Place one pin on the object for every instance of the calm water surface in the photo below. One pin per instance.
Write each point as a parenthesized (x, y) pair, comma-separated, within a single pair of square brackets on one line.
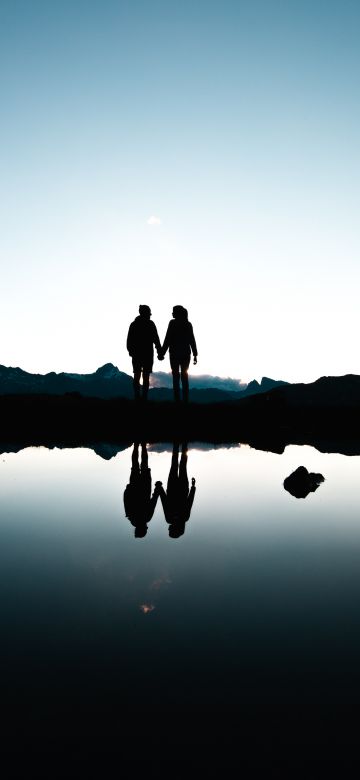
[(246, 614)]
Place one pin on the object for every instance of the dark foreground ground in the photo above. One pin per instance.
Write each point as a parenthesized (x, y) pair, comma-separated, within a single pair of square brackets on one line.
[(267, 421)]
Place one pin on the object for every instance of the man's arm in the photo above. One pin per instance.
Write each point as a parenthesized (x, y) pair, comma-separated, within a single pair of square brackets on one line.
[(166, 343), (130, 340), (127, 500), (156, 340)]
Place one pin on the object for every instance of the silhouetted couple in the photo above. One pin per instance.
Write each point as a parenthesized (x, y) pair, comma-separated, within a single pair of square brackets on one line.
[(179, 340), (177, 501)]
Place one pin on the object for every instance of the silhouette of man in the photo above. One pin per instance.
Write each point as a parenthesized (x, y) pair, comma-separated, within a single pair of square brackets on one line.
[(138, 502), (181, 342), (178, 500), (142, 336)]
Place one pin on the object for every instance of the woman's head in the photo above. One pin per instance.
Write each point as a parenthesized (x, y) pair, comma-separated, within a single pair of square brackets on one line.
[(179, 313)]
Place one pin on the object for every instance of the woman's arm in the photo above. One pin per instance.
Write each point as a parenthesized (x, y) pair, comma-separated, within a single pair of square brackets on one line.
[(193, 343)]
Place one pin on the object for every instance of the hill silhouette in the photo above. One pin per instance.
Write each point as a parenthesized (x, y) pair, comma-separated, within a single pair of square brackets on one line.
[(108, 382)]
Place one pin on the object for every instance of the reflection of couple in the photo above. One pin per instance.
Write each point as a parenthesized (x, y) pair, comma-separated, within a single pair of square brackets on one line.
[(179, 340), (177, 501)]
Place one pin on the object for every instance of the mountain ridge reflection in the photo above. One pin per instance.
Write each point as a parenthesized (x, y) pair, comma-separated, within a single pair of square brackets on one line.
[(266, 443)]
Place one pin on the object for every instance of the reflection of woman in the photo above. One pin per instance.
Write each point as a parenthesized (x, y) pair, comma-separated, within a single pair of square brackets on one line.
[(178, 500), (138, 502), (180, 341)]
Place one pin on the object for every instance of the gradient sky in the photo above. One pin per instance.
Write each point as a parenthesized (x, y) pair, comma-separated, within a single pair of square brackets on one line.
[(235, 126)]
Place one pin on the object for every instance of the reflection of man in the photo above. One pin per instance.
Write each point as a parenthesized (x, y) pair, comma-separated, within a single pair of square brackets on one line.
[(140, 342), (178, 500), (138, 502)]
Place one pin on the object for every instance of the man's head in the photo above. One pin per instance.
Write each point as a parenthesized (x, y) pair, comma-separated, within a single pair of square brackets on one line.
[(145, 311)]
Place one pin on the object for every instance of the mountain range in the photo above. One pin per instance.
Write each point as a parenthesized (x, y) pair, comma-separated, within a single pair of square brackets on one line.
[(109, 382)]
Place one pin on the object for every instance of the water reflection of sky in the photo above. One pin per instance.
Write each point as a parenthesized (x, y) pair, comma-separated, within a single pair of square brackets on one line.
[(254, 568), (240, 489), (66, 506)]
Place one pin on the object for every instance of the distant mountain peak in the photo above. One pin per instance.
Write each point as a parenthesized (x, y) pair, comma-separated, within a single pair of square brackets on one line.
[(108, 371), (106, 382), (269, 384), (253, 386)]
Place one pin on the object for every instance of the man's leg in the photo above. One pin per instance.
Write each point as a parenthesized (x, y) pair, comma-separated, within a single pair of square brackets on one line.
[(136, 384), (137, 373), (146, 376), (173, 474)]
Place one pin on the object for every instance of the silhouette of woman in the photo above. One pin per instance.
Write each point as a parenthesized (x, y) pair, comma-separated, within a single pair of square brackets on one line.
[(181, 342), (138, 502), (178, 500)]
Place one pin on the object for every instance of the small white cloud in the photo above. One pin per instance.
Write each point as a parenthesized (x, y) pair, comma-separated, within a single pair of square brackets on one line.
[(154, 221)]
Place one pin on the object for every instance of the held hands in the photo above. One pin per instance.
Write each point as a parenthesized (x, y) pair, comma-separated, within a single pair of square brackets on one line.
[(161, 357)]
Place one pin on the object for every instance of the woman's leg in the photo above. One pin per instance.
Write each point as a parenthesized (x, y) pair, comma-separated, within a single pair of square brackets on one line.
[(185, 380), (176, 378)]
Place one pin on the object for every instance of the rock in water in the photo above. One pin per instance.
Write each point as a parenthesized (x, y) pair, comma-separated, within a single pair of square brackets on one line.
[(302, 482)]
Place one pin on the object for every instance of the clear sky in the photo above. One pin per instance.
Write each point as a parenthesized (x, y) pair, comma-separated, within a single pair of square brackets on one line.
[(195, 152)]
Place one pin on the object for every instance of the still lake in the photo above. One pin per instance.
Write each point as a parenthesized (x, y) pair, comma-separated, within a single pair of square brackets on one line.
[(247, 615)]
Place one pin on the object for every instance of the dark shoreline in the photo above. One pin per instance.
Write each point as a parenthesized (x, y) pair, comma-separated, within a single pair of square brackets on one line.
[(264, 422)]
